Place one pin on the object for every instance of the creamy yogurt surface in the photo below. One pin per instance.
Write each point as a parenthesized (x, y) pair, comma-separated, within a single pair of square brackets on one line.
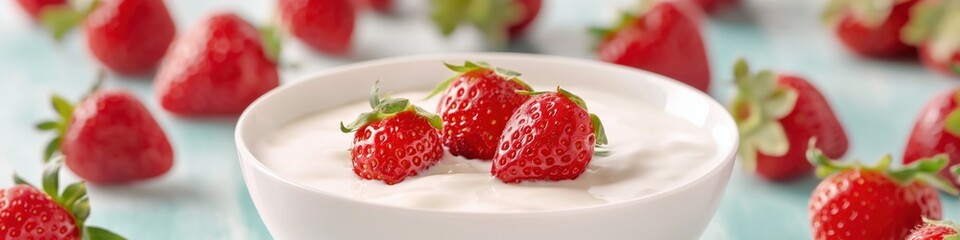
[(650, 151)]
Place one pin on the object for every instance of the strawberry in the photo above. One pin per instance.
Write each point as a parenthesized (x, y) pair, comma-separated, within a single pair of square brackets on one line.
[(871, 28), (108, 138), (936, 131), (499, 20), (935, 230), (324, 25), (35, 7), (663, 39), (777, 116), (29, 213), (216, 68), (475, 106), (127, 36), (550, 137), (934, 27), (858, 202), (382, 6), (394, 141)]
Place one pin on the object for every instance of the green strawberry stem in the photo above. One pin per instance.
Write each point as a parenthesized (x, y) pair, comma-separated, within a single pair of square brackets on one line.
[(386, 108), (956, 68), (925, 170), (61, 19), (491, 17), (73, 199), (469, 66), (64, 110)]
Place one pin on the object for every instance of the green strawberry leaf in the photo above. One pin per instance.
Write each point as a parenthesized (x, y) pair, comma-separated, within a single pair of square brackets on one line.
[(52, 148), (924, 18), (447, 14), (393, 105), (757, 107), (47, 125), (926, 170), (832, 11), (73, 193), (574, 98), (81, 209), (598, 130), (63, 107), (781, 102), (493, 17), (507, 73), (271, 35), (601, 34), (826, 166), (771, 140), (51, 178), (741, 70), (471, 66), (96, 233), (19, 180), (375, 94), (61, 19), (272, 38), (952, 123), (956, 68), (443, 86), (434, 120), (361, 121)]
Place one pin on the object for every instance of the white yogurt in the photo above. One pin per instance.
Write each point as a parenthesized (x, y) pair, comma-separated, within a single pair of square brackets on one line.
[(651, 151)]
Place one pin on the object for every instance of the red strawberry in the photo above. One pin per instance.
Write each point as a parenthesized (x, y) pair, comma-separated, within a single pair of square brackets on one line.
[(714, 5), (130, 36), (28, 213), (934, 27), (873, 203), (935, 230), (382, 6), (127, 36), (871, 28), (35, 7), (216, 68), (777, 116), (324, 25), (109, 138), (550, 137), (394, 141), (936, 131), (664, 39), (499, 20), (475, 106)]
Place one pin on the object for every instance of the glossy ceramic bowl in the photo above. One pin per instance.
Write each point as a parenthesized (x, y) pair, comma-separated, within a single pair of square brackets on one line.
[(294, 211)]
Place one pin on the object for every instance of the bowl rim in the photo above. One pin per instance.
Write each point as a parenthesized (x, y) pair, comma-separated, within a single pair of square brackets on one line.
[(728, 158)]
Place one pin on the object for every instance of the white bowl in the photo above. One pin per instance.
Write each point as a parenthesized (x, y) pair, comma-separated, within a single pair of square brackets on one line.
[(294, 211)]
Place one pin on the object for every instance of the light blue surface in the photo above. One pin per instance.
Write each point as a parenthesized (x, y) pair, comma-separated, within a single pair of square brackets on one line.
[(203, 197)]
